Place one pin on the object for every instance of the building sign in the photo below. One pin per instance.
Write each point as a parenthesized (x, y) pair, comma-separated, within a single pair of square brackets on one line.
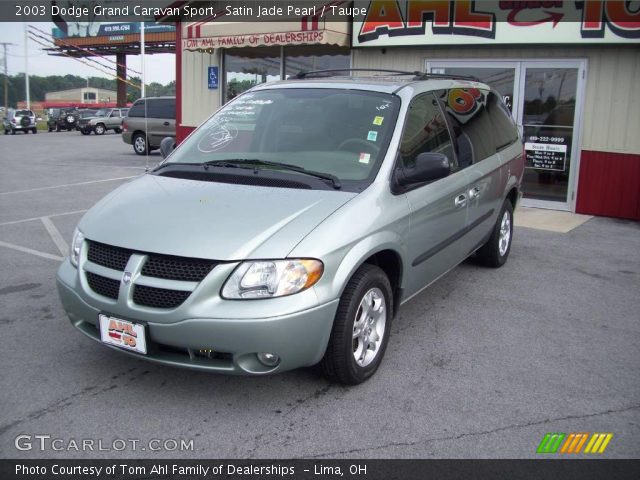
[(430, 22), (111, 30), (212, 77)]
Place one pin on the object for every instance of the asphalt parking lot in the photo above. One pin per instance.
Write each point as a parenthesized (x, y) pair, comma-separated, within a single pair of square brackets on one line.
[(482, 364)]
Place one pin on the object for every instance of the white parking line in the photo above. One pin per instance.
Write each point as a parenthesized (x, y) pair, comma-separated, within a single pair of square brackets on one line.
[(56, 236), (32, 219), (31, 251), (67, 185)]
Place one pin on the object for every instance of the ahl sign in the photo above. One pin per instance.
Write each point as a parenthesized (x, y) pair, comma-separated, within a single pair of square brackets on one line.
[(435, 22)]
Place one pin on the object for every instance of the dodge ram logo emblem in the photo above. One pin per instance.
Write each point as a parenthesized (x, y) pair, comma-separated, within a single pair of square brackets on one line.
[(126, 278)]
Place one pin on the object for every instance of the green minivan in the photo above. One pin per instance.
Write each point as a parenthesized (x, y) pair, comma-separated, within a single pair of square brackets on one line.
[(288, 229)]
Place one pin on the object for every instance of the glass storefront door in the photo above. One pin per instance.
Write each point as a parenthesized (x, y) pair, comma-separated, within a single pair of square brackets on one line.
[(545, 100)]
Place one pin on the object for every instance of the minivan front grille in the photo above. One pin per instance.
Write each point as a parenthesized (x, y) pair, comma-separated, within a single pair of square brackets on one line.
[(103, 285), (108, 256), (177, 268), (158, 297), (167, 267)]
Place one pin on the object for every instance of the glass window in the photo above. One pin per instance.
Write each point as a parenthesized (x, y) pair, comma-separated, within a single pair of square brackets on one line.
[(161, 108), (505, 131), (247, 67), (500, 79), (337, 131), (315, 57), (472, 128), (425, 130), (89, 96), (137, 109)]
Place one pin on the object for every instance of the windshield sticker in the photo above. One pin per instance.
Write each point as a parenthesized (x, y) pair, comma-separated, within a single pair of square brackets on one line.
[(364, 157), (372, 136), (383, 106), (378, 120), (218, 135)]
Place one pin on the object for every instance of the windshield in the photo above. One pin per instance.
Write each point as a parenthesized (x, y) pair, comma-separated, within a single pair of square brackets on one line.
[(102, 112), (344, 133), (23, 112)]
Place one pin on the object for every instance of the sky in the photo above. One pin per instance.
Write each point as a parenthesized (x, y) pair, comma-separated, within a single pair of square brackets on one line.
[(159, 68)]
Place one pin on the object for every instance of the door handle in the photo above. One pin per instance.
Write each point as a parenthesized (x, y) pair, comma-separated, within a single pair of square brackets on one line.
[(461, 200), (166, 124), (474, 193)]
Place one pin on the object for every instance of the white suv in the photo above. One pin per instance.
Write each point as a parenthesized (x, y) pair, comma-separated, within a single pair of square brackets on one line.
[(19, 121)]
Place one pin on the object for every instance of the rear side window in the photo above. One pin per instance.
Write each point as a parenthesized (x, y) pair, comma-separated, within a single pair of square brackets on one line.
[(425, 130), (472, 127), (161, 108), (505, 131), (137, 110)]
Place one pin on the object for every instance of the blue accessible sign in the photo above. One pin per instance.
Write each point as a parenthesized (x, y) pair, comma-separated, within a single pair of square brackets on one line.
[(212, 78)]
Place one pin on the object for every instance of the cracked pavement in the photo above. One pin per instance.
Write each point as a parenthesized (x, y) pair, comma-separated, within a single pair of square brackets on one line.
[(482, 364)]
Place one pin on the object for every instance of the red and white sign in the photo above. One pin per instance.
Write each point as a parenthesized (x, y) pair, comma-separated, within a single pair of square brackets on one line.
[(430, 22)]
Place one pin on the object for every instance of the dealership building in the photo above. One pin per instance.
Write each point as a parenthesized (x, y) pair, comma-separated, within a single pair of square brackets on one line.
[(570, 85)]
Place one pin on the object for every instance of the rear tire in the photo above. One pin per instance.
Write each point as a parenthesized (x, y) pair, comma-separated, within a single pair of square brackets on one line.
[(13, 131), (361, 328), (495, 252), (35, 130), (140, 145)]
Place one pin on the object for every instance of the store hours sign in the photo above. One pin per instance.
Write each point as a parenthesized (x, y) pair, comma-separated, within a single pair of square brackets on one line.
[(545, 153)]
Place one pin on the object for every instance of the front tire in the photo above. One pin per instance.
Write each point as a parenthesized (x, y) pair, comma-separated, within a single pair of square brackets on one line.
[(361, 328), (100, 129), (140, 145), (35, 130), (495, 252), (84, 131)]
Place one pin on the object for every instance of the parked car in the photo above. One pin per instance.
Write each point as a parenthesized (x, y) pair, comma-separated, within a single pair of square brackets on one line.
[(103, 120), (288, 229), (62, 119), (85, 113), (149, 121), (19, 121)]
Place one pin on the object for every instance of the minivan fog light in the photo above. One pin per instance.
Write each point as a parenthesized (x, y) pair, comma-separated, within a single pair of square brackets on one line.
[(272, 278), (268, 359), (76, 246)]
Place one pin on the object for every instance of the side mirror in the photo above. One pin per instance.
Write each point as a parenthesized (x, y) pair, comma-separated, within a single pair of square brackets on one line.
[(429, 166), (166, 146)]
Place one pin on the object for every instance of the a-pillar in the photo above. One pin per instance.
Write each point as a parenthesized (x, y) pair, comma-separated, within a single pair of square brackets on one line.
[(121, 69)]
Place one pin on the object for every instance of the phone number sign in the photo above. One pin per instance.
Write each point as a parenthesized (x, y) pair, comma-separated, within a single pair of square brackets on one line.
[(546, 156)]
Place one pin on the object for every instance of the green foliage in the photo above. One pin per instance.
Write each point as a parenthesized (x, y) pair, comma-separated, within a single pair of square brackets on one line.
[(41, 85)]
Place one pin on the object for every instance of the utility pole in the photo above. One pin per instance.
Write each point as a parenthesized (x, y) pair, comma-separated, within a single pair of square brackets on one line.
[(142, 47), (26, 66), (6, 77)]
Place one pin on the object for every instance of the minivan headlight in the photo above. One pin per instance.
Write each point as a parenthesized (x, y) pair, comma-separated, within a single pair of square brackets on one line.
[(76, 246), (272, 278)]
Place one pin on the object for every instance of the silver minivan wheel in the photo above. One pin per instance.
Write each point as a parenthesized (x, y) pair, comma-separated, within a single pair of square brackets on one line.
[(369, 327), (495, 251), (505, 234), (361, 327), (140, 144)]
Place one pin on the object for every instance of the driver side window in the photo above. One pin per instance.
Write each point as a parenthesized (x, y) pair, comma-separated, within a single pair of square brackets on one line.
[(425, 130)]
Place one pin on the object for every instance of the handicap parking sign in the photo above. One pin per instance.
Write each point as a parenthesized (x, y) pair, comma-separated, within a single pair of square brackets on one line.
[(212, 77)]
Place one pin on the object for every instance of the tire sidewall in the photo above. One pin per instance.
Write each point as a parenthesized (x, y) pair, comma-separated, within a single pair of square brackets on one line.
[(135, 143), (376, 280), (505, 208)]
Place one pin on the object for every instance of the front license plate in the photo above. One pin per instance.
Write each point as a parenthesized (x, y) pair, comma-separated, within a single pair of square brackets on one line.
[(123, 334)]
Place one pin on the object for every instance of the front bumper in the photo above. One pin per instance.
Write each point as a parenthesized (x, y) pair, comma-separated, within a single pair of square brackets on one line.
[(298, 338)]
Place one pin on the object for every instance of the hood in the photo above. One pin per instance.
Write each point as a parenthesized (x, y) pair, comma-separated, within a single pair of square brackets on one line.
[(207, 219)]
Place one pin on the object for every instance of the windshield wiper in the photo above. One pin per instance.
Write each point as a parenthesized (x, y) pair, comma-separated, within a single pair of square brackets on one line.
[(255, 162)]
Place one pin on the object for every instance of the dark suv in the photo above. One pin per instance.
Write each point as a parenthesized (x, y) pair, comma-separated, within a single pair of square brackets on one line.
[(63, 119)]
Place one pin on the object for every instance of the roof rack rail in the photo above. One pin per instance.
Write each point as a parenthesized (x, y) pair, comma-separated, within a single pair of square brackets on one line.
[(416, 74), (304, 74)]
